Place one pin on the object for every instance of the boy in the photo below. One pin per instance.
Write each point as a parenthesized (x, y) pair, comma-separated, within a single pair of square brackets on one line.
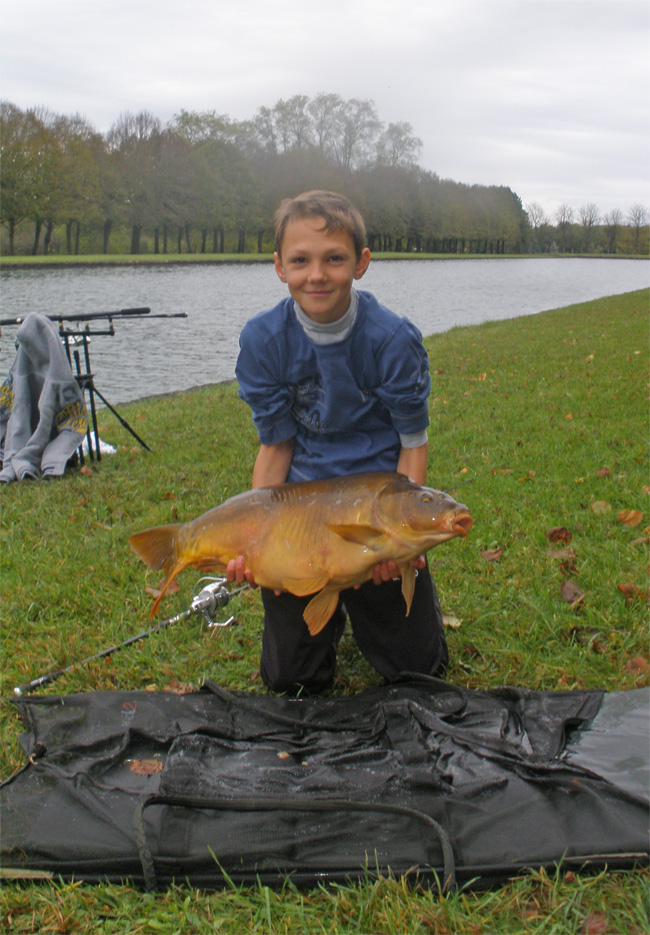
[(337, 385)]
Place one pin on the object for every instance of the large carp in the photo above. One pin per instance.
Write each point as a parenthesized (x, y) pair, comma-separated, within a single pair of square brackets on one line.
[(312, 537)]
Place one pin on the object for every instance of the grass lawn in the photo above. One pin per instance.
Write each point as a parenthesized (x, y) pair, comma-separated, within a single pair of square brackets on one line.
[(536, 423)]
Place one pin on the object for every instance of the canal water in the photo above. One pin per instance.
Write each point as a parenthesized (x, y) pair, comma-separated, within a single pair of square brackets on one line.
[(162, 355)]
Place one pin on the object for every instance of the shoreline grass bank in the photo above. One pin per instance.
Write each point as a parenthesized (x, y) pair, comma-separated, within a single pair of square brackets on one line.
[(536, 422)]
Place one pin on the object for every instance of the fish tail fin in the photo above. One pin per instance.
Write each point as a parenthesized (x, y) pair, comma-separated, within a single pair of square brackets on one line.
[(157, 548)]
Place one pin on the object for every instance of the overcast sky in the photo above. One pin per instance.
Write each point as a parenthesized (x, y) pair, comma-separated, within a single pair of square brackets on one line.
[(548, 97)]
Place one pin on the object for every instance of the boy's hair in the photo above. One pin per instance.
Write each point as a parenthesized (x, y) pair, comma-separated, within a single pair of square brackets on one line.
[(336, 210)]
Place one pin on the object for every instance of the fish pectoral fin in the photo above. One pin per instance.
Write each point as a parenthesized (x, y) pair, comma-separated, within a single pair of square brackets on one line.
[(319, 610), (408, 585), (303, 586), (209, 564), (368, 536)]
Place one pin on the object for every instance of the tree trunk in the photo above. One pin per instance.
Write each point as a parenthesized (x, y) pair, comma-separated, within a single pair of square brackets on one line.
[(37, 237), (106, 233), (136, 230), (68, 236), (77, 238), (204, 239), (188, 241), (12, 234), (156, 240), (179, 239), (47, 240), (260, 241)]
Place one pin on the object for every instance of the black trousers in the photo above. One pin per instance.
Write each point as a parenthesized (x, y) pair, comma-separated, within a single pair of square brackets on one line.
[(392, 643)]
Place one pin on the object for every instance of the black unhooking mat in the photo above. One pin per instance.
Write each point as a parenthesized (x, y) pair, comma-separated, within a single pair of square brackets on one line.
[(419, 777)]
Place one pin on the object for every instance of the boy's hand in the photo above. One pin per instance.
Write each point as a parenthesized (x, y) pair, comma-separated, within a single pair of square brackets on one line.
[(386, 571), (236, 571)]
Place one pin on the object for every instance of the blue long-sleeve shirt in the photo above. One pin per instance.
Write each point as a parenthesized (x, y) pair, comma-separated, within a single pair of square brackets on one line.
[(344, 404)]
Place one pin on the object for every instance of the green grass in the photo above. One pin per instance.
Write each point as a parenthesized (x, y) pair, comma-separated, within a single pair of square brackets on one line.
[(526, 414)]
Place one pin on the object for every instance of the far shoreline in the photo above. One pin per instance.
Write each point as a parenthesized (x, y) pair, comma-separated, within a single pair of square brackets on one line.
[(191, 259)]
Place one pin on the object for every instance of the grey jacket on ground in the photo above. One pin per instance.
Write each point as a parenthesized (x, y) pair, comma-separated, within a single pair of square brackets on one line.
[(43, 417)]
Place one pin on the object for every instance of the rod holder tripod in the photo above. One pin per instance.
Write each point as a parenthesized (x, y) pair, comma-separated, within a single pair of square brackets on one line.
[(86, 380), (85, 377)]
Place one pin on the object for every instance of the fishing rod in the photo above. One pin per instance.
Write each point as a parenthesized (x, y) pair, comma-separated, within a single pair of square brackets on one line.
[(211, 598), (92, 316)]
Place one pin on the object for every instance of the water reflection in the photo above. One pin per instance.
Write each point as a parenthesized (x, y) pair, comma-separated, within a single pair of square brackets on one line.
[(165, 355)]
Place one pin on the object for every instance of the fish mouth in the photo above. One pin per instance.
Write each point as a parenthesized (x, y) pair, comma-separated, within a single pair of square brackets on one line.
[(462, 523)]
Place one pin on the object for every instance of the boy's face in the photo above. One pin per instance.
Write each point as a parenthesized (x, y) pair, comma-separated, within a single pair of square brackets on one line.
[(319, 268)]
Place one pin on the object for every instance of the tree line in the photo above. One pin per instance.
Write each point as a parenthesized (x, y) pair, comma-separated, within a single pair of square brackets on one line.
[(587, 230), (205, 183)]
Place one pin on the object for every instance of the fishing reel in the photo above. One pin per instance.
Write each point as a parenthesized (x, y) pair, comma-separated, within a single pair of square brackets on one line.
[(210, 598)]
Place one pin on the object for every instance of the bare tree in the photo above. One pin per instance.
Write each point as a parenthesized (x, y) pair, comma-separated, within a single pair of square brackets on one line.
[(398, 145), (537, 219), (357, 131), (589, 217), (293, 122), (563, 219), (638, 218), (612, 221)]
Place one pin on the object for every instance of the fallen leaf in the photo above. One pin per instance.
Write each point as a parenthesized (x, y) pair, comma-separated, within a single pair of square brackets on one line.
[(630, 517), (603, 472), (600, 507), (591, 638), (569, 416), (501, 471), (566, 555), (86, 471), (558, 534), (569, 567), (145, 767), (469, 649), (572, 593), (633, 593), (595, 924), (173, 588), (179, 688), (482, 376), (451, 622), (638, 664), (643, 540), (492, 555)]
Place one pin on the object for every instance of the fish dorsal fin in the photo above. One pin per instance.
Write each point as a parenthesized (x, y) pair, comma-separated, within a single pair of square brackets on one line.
[(304, 586), (408, 585), (368, 536), (319, 610)]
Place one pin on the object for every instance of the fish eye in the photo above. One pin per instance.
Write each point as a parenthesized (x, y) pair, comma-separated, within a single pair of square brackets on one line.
[(426, 498)]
